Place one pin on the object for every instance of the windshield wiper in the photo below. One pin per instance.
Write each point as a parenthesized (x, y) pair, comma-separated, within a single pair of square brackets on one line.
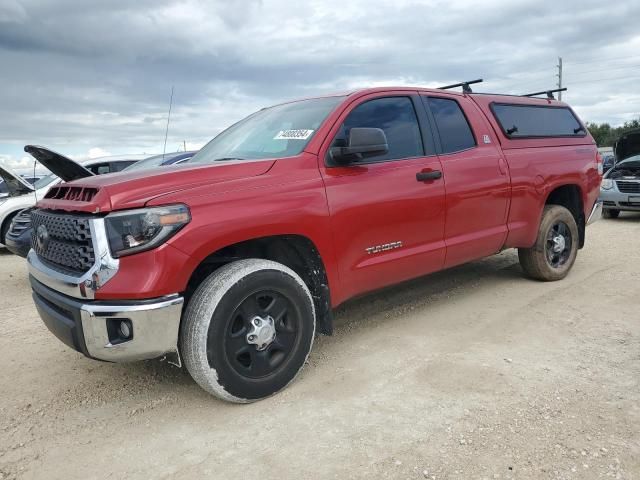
[(223, 159)]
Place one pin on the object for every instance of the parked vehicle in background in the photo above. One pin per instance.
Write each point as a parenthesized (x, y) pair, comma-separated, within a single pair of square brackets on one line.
[(24, 195), (162, 160), (18, 237), (608, 161), (620, 189), (4, 189), (233, 261)]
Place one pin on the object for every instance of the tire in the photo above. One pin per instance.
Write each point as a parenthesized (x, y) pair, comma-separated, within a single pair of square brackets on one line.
[(542, 261), (219, 321), (610, 213)]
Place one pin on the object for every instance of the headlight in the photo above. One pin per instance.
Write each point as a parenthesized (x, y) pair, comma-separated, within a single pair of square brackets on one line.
[(134, 231), (607, 184)]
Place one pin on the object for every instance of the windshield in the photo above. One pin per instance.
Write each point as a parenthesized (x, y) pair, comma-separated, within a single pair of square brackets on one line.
[(280, 131), (44, 181)]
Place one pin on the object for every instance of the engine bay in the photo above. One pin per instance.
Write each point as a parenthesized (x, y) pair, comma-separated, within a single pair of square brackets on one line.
[(625, 172)]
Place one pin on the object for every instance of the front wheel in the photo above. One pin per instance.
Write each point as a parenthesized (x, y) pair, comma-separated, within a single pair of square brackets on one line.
[(247, 330), (556, 247)]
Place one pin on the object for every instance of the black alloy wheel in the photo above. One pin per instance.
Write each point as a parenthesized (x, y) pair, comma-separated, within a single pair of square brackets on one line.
[(261, 334), (558, 244)]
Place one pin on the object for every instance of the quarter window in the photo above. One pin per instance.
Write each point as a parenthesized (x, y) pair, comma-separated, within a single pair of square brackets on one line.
[(453, 128), (396, 117)]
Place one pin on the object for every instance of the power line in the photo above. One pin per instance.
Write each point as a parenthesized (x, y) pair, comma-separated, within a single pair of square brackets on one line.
[(605, 80), (603, 61), (601, 69)]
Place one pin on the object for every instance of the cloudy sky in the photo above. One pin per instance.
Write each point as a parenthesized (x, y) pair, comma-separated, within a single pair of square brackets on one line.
[(94, 78)]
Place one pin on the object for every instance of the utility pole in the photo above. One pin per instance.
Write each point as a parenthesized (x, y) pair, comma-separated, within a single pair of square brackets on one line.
[(559, 75), (184, 142)]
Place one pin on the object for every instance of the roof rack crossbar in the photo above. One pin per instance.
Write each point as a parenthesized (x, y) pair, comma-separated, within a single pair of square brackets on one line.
[(465, 85), (548, 93)]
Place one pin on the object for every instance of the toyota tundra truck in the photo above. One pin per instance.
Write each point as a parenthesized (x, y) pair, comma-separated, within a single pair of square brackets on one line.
[(232, 262)]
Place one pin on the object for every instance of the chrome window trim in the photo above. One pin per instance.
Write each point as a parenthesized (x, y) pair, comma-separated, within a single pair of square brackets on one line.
[(86, 285)]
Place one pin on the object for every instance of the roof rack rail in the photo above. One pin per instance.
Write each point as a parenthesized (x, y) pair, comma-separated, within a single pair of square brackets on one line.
[(549, 93), (465, 85)]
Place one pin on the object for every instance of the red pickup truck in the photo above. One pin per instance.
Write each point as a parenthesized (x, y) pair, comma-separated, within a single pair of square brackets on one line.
[(232, 262)]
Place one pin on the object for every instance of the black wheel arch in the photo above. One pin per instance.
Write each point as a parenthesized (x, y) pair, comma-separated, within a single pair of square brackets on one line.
[(295, 251), (570, 197)]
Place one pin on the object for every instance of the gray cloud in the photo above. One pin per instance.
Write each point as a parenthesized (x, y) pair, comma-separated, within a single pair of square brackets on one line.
[(78, 75)]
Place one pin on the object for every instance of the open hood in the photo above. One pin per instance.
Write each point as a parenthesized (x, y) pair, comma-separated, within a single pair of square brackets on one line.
[(16, 185), (63, 167), (627, 145)]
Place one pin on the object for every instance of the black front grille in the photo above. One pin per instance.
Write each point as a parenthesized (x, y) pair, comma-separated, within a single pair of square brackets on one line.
[(67, 246), (628, 187)]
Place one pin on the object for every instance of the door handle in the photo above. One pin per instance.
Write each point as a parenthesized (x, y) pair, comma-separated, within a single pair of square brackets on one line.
[(426, 176)]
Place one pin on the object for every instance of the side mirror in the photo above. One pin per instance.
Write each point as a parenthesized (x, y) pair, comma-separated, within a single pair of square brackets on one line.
[(363, 142)]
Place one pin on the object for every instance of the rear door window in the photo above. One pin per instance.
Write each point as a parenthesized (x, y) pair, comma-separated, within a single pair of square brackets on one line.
[(526, 121), (451, 124)]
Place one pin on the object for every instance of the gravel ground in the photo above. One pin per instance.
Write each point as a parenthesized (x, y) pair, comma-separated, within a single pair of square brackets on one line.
[(471, 373)]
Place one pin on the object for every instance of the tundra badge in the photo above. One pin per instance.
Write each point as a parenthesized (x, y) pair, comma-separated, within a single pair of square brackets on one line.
[(383, 248)]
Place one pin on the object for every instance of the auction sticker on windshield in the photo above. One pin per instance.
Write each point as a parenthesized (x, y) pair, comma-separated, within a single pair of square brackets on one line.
[(293, 134)]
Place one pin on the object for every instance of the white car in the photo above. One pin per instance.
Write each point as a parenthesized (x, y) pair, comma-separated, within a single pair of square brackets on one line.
[(24, 195), (4, 190)]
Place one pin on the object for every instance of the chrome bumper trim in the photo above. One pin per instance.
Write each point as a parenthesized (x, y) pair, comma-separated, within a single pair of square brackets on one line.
[(86, 285), (596, 213), (155, 329)]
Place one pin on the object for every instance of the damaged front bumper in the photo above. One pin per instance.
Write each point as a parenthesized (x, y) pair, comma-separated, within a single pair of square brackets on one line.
[(94, 327)]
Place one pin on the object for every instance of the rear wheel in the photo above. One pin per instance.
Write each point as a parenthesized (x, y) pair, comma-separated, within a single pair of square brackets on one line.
[(248, 330), (556, 247), (610, 213)]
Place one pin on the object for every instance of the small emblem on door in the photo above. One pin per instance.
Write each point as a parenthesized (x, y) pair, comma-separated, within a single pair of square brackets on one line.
[(486, 139)]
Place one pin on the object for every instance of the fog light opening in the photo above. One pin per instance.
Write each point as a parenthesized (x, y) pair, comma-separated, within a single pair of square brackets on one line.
[(119, 330)]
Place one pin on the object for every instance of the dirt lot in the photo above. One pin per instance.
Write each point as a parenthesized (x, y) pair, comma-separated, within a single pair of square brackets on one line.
[(468, 374)]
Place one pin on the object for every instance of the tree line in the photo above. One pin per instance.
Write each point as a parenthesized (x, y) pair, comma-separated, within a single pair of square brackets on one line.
[(605, 135)]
